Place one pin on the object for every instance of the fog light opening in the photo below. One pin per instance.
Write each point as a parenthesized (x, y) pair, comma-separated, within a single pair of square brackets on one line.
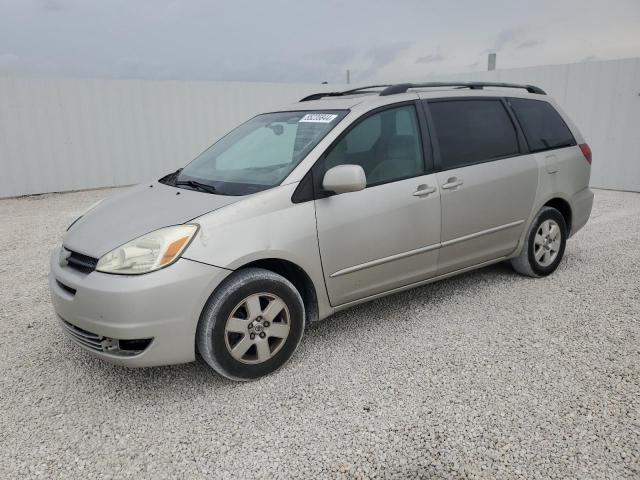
[(134, 346)]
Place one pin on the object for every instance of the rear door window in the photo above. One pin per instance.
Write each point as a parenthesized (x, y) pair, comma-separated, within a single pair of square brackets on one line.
[(543, 126), (472, 131)]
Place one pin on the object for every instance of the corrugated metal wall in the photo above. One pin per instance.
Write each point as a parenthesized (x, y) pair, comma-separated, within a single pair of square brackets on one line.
[(603, 99), (58, 135)]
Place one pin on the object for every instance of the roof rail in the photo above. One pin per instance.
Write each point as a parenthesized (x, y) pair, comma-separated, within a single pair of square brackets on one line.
[(317, 96), (403, 87)]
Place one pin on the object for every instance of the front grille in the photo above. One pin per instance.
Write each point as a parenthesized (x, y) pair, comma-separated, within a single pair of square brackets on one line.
[(81, 263), (86, 339), (99, 343)]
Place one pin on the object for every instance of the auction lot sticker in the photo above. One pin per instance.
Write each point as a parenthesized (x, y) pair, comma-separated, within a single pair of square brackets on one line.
[(318, 117)]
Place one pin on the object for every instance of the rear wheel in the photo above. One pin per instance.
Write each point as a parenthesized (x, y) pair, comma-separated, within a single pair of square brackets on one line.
[(251, 324), (544, 245)]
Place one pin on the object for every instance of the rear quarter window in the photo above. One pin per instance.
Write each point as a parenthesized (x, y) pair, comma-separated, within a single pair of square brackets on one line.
[(542, 125)]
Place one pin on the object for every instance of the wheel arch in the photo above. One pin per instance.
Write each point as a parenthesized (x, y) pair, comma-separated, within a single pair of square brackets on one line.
[(563, 207), (297, 276)]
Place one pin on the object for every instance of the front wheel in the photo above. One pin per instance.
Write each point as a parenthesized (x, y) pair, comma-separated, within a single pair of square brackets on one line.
[(251, 324), (544, 245)]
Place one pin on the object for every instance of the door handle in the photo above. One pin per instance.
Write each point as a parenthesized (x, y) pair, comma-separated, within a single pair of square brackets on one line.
[(424, 190), (453, 182)]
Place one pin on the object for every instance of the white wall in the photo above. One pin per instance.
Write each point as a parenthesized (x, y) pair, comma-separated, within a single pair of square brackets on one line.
[(603, 100), (58, 135)]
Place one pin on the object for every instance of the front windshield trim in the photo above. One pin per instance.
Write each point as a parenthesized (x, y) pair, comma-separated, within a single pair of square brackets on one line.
[(239, 164)]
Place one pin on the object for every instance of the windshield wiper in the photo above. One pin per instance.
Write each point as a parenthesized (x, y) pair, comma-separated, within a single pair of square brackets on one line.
[(203, 187)]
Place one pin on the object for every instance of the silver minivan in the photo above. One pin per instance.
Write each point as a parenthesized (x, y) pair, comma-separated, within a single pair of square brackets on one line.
[(298, 213)]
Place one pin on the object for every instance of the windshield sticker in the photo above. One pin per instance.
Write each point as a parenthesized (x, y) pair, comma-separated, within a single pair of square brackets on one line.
[(319, 117)]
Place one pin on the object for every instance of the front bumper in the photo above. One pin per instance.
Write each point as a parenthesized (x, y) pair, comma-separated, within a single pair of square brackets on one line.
[(163, 306)]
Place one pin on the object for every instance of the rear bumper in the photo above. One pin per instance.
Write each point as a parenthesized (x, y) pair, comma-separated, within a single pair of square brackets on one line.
[(163, 306), (581, 205)]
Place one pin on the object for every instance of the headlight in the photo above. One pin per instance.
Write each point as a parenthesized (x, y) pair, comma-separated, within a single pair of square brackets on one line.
[(149, 252)]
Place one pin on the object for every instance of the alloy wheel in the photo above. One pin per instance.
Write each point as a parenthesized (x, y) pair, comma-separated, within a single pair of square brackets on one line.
[(257, 328), (547, 242)]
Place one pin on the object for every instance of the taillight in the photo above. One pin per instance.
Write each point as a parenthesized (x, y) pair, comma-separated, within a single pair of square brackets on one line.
[(586, 151)]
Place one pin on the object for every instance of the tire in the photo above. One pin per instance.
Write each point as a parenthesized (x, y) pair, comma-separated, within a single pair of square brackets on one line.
[(251, 325), (540, 256)]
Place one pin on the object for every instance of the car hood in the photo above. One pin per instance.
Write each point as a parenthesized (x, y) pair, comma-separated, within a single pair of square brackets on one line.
[(138, 210)]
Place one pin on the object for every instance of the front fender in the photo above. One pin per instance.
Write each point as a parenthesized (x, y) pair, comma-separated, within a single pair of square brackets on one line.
[(265, 225)]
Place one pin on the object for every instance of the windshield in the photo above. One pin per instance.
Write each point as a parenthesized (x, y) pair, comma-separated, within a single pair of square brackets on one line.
[(258, 154)]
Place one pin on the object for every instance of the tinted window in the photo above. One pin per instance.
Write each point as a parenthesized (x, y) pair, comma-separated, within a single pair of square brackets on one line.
[(362, 138), (543, 127), (386, 145), (472, 131)]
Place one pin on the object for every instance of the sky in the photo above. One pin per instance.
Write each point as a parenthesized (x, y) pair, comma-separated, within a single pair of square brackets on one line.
[(306, 41)]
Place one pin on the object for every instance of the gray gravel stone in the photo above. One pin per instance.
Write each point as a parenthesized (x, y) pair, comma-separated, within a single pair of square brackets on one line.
[(487, 375)]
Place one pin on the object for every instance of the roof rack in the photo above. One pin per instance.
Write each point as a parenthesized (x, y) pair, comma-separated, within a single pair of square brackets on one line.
[(317, 96), (403, 87)]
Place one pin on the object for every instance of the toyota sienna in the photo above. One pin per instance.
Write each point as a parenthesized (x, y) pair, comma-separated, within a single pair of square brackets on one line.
[(303, 211)]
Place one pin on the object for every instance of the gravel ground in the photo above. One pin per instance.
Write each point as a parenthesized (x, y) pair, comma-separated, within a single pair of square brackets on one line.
[(487, 375)]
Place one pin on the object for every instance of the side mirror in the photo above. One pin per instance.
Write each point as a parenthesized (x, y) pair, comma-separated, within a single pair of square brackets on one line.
[(344, 179)]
